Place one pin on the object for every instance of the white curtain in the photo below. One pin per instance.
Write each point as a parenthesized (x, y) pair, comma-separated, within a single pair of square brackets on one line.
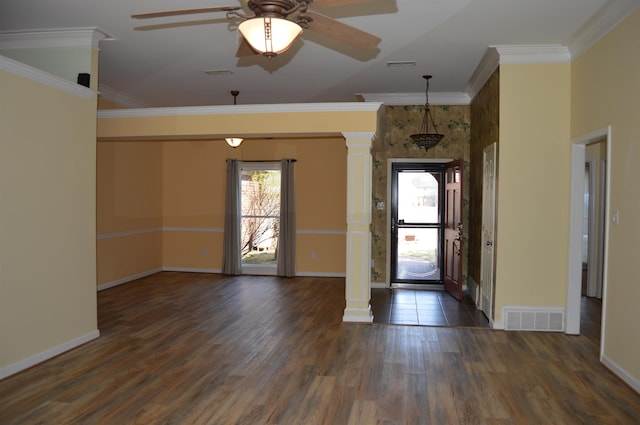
[(287, 236), (231, 263)]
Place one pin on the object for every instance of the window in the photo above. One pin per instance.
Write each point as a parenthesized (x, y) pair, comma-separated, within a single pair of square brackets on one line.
[(260, 216)]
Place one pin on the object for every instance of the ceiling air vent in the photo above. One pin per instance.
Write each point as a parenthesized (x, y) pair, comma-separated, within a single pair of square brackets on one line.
[(218, 71), (398, 64)]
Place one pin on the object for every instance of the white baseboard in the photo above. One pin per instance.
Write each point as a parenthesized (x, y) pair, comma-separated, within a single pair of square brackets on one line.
[(321, 274), (379, 285), (496, 325), (621, 373), (190, 270), (47, 354), (126, 279), (474, 290)]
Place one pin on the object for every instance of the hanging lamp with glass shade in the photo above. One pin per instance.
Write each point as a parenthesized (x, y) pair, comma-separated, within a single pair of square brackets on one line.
[(425, 139), (234, 142)]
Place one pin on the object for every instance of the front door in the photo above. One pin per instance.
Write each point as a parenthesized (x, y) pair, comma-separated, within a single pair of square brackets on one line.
[(453, 229), (423, 205), (416, 223)]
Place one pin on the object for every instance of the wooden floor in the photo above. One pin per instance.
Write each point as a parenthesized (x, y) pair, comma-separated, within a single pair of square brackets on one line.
[(182, 348)]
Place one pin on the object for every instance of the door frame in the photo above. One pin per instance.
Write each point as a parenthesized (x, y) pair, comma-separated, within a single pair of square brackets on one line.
[(574, 269), (390, 163)]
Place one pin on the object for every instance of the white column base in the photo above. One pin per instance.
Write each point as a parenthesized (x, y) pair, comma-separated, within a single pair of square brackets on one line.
[(358, 315)]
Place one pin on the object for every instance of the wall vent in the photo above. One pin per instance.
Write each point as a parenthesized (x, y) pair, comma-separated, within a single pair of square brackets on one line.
[(546, 319)]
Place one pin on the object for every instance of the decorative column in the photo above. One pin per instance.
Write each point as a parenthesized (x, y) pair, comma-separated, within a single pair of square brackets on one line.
[(358, 279)]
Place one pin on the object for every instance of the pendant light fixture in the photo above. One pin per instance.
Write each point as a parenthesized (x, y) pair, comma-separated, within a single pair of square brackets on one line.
[(234, 142), (424, 139)]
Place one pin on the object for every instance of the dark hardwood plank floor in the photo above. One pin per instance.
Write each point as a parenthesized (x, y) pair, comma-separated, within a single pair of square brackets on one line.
[(188, 348)]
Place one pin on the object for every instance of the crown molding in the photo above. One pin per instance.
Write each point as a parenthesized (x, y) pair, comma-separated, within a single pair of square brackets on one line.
[(607, 18), (532, 53), (240, 109), (121, 98), (34, 74), (514, 54), (51, 38), (486, 67), (417, 98)]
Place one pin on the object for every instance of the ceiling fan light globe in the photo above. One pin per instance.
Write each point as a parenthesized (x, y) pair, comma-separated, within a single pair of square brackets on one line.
[(269, 36)]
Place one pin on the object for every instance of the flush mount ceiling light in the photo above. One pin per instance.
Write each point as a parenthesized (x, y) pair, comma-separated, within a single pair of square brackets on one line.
[(424, 139), (234, 142)]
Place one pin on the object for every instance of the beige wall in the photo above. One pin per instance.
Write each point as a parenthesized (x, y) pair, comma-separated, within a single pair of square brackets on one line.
[(47, 220), (605, 92), (147, 186), (533, 187), (129, 209)]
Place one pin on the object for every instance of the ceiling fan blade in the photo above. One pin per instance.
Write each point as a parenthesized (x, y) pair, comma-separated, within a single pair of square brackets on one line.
[(185, 12), (343, 33), (333, 3)]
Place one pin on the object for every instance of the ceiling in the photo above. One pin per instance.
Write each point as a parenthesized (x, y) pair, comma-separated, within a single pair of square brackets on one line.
[(162, 61)]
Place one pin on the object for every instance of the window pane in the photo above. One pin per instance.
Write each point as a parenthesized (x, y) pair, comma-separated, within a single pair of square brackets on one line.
[(418, 197), (259, 240), (418, 254), (260, 215)]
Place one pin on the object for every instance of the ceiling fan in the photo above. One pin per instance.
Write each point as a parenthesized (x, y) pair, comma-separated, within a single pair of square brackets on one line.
[(275, 24)]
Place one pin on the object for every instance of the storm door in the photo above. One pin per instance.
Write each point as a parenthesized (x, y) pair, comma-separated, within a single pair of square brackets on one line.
[(417, 223)]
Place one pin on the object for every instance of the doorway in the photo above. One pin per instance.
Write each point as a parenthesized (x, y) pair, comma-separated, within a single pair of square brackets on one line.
[(417, 223), (579, 211), (593, 225), (426, 225)]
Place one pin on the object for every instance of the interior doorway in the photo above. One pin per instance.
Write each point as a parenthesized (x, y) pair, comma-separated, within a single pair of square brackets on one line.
[(593, 226), (584, 241)]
